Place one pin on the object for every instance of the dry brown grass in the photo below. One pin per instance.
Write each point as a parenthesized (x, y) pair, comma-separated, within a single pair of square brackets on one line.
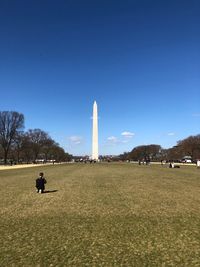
[(101, 215)]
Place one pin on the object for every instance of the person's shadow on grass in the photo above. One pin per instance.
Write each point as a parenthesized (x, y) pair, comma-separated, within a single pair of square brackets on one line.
[(50, 191)]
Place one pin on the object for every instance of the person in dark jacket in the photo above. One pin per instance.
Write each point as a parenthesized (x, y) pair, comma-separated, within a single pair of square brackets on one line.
[(40, 183)]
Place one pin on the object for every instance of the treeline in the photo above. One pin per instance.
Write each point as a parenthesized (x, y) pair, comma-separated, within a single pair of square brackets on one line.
[(20, 146), (189, 146)]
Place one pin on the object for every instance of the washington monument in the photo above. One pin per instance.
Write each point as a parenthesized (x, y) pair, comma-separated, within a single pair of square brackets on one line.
[(95, 152)]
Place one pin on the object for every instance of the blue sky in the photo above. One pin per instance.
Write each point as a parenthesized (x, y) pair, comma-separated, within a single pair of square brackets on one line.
[(139, 59)]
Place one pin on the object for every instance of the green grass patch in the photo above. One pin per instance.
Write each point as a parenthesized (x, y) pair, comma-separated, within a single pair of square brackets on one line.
[(100, 215)]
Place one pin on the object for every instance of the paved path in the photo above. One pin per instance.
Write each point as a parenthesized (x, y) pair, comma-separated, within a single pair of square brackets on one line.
[(2, 167)]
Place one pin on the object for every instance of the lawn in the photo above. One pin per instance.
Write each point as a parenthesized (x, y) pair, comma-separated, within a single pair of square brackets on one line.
[(118, 214)]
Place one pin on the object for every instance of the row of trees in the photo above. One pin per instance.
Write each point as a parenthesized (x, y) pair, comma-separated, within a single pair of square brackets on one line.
[(189, 146), (29, 146), (20, 146)]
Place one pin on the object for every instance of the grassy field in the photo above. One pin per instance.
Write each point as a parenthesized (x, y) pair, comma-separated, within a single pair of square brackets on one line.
[(100, 215)]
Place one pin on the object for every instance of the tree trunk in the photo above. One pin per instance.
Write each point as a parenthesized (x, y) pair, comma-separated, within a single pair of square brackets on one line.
[(5, 156)]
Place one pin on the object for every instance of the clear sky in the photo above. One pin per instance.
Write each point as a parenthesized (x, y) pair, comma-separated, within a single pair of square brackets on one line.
[(139, 59)]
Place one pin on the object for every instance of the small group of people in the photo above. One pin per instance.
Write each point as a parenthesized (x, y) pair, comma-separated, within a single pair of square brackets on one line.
[(172, 165), (40, 183), (145, 161)]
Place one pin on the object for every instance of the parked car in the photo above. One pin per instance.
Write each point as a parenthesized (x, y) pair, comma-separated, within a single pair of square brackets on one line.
[(186, 161)]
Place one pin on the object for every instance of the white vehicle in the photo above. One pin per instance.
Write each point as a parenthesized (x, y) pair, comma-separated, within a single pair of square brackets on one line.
[(187, 160)]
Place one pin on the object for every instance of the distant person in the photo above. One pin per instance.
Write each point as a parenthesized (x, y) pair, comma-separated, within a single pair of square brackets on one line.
[(171, 165), (198, 163), (40, 183)]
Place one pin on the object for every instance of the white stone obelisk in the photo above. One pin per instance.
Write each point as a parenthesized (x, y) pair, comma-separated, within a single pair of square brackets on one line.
[(95, 152)]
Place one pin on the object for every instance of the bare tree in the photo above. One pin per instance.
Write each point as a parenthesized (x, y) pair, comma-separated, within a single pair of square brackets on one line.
[(146, 152), (18, 145), (26, 153), (58, 153), (190, 146), (174, 153), (47, 147), (11, 122), (36, 139)]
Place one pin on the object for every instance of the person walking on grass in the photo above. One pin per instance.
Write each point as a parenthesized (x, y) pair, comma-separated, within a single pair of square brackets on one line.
[(40, 183)]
